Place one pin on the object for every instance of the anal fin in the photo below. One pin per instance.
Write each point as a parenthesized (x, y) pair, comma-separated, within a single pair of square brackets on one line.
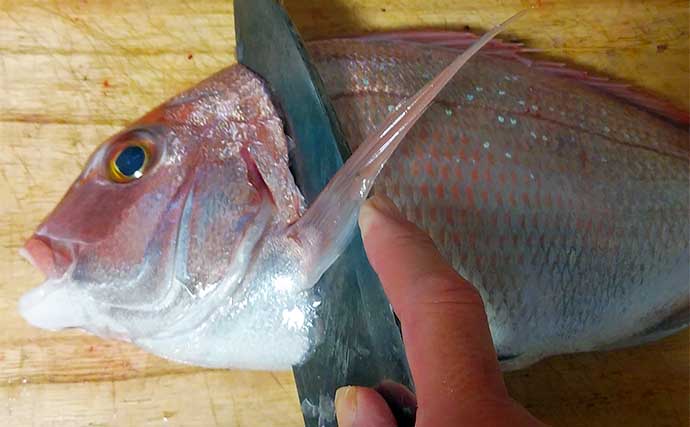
[(679, 320)]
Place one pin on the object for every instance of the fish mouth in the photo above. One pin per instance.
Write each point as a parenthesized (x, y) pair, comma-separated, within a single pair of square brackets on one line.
[(54, 304), (51, 257)]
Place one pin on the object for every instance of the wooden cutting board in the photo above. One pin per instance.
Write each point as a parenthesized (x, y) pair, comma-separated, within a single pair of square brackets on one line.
[(73, 72)]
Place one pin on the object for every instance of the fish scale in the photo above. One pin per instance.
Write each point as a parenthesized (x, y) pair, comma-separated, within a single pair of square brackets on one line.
[(564, 206)]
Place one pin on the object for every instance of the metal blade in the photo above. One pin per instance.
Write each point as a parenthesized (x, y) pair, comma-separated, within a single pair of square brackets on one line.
[(360, 341)]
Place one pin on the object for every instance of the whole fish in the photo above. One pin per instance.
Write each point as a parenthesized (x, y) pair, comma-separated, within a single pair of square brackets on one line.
[(566, 207)]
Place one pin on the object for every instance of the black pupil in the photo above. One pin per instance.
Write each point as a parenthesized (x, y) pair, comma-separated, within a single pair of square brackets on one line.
[(130, 160)]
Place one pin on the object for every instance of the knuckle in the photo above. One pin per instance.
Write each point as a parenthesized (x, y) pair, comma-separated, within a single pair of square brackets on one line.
[(445, 290), (411, 236)]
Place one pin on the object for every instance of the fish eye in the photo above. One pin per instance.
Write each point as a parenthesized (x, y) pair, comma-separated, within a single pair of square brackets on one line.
[(129, 161)]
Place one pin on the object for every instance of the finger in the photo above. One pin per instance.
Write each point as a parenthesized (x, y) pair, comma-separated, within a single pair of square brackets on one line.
[(400, 400), (444, 326), (362, 407)]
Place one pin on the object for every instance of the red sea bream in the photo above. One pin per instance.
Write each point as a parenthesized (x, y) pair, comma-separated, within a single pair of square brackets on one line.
[(565, 206)]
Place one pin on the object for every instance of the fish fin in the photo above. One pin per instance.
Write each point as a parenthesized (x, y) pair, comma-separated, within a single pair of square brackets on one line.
[(448, 39), (518, 52), (507, 357), (330, 221), (677, 321)]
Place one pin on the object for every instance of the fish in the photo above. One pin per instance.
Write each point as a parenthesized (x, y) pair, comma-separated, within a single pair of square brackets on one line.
[(566, 207)]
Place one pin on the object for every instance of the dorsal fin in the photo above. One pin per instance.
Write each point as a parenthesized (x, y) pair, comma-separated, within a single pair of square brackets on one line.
[(518, 52)]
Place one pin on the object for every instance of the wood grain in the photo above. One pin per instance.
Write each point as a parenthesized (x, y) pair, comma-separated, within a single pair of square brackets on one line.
[(74, 71)]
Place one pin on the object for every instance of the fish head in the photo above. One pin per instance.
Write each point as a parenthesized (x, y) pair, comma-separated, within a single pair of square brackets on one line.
[(165, 213)]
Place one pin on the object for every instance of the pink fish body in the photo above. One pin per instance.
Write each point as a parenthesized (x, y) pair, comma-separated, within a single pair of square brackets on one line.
[(567, 208)]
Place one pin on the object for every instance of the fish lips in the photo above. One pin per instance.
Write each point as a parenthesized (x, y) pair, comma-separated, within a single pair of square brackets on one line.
[(60, 304), (51, 257), (55, 304)]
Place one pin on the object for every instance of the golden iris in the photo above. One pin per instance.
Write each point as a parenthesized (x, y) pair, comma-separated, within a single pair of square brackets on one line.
[(129, 163)]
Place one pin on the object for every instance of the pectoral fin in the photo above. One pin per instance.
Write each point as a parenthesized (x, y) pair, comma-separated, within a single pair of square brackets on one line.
[(329, 222)]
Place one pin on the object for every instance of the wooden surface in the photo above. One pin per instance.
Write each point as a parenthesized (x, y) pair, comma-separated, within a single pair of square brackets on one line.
[(74, 71)]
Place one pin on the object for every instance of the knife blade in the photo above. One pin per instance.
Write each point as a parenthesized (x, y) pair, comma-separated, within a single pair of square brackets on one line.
[(360, 342)]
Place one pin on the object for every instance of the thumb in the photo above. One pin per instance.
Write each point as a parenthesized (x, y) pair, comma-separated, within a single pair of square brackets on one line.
[(362, 407)]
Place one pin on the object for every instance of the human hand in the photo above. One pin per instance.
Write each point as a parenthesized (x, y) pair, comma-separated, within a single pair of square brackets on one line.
[(445, 330)]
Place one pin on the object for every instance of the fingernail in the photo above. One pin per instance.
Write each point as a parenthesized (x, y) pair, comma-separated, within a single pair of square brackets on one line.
[(346, 406), (377, 205), (385, 206)]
